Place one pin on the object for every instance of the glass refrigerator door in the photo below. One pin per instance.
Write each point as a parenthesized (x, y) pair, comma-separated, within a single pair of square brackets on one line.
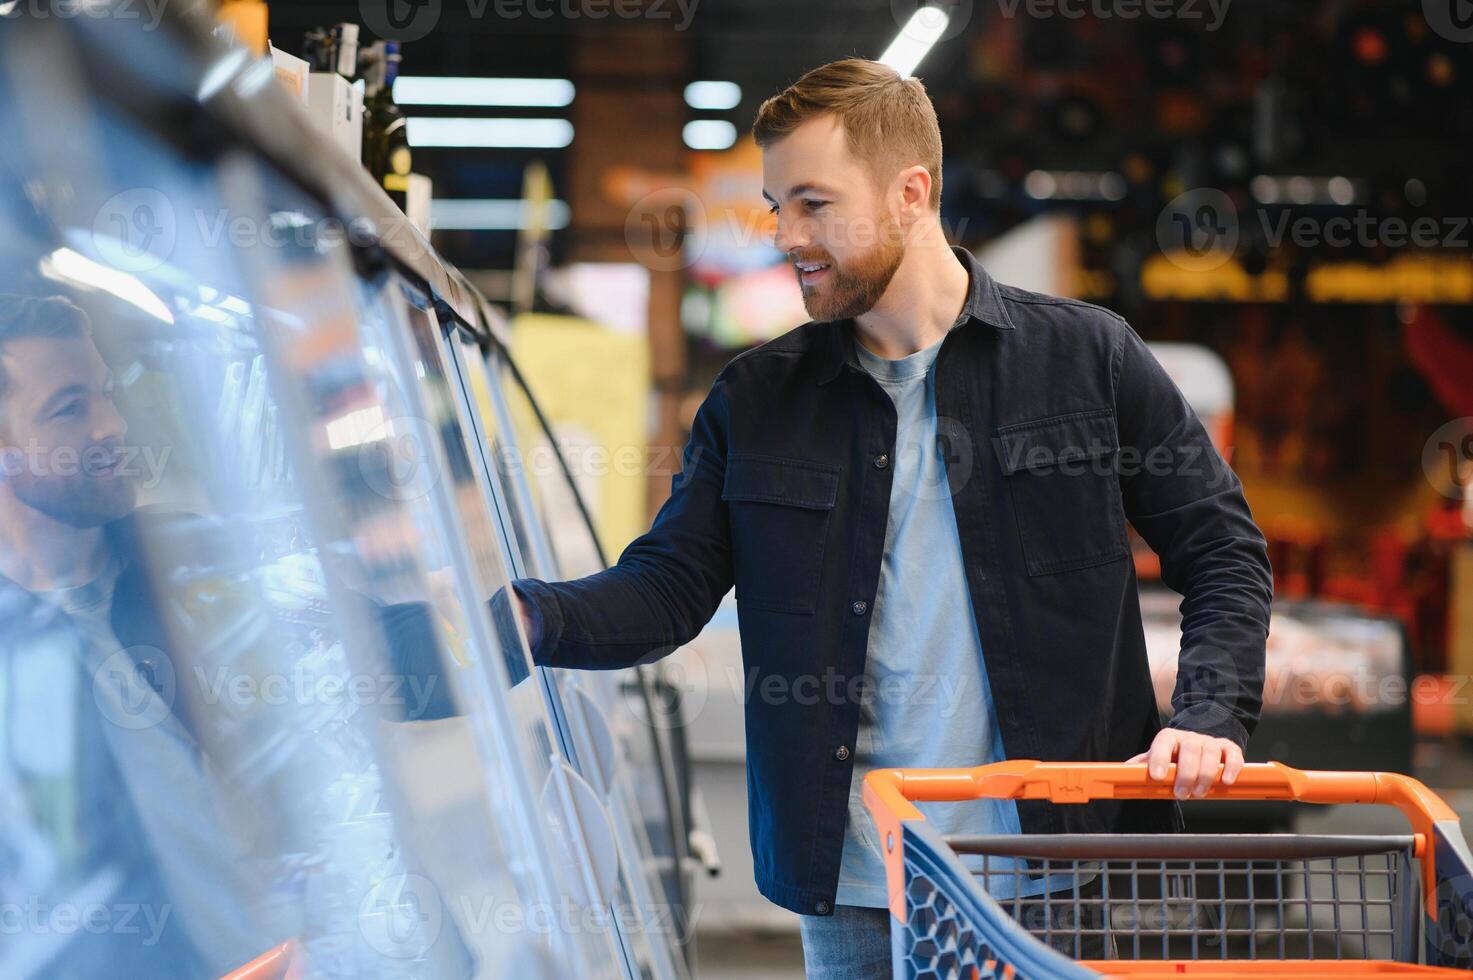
[(249, 693), (615, 727), (644, 706), (643, 919)]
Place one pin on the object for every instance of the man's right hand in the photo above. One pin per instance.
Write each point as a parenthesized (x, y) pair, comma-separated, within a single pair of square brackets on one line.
[(529, 625)]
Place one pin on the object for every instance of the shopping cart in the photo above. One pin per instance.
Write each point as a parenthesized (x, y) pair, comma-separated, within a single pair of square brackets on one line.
[(1197, 905)]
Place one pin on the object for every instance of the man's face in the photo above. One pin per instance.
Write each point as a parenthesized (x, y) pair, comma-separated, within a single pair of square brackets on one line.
[(841, 238), (60, 435)]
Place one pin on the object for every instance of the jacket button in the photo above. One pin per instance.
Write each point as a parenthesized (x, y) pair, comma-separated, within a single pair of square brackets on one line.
[(821, 907), (841, 753), (859, 607), (882, 461)]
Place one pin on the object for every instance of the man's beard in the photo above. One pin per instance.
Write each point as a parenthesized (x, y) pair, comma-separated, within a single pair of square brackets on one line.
[(854, 288), (78, 500)]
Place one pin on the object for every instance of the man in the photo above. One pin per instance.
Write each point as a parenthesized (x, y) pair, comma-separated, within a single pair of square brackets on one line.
[(104, 802), (929, 482), (71, 831)]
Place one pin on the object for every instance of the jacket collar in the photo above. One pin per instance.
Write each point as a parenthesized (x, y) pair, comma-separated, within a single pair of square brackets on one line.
[(984, 303)]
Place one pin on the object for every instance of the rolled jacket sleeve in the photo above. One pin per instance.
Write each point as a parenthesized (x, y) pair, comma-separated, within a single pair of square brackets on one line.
[(1188, 505), (666, 584)]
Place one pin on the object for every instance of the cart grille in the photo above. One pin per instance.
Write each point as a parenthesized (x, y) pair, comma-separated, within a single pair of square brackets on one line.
[(1249, 896)]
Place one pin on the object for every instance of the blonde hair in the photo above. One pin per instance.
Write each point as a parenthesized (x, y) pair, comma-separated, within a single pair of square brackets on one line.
[(889, 121)]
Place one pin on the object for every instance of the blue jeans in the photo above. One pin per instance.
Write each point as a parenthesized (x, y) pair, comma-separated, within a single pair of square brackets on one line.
[(851, 944)]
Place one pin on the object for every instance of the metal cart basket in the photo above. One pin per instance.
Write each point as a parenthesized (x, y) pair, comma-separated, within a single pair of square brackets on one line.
[(1196, 905)]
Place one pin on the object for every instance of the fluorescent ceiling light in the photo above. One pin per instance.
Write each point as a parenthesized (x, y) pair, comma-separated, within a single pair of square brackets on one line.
[(915, 39), (1301, 189), (73, 267), (491, 214), (713, 95), (437, 90), (709, 134), (544, 133)]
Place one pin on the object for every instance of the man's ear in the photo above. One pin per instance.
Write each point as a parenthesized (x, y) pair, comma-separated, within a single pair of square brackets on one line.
[(915, 190)]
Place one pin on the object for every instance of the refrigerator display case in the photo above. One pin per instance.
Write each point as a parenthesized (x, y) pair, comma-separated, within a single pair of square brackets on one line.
[(260, 686), (629, 724)]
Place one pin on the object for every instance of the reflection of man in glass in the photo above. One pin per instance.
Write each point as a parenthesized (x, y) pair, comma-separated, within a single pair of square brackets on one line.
[(60, 425), (88, 805), (109, 803)]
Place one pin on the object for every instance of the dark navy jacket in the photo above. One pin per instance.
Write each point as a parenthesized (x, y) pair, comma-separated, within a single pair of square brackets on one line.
[(1058, 426)]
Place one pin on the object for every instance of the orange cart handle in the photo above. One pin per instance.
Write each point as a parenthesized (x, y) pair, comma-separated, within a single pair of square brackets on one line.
[(274, 964), (888, 792), (1078, 782)]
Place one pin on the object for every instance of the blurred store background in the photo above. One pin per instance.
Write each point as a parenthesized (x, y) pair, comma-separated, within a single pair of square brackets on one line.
[(1277, 196)]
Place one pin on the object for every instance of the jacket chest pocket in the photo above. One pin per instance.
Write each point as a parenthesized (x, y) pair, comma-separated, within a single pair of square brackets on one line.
[(1060, 473), (780, 511)]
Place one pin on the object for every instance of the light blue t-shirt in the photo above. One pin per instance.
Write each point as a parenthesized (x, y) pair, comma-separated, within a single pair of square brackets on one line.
[(929, 703)]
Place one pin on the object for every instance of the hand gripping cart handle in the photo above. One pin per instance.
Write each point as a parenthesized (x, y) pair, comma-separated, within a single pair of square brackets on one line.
[(1145, 905)]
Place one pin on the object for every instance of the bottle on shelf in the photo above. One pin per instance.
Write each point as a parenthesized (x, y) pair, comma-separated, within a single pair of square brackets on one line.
[(385, 129)]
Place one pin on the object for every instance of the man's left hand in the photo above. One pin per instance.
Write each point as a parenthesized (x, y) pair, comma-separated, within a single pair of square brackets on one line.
[(1198, 760)]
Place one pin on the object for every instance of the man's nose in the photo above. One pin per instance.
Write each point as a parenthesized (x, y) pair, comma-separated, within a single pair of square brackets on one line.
[(792, 234), (109, 423)]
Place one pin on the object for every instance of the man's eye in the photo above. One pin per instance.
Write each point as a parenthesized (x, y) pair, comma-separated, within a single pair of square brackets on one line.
[(67, 410), (772, 210), (813, 205)]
